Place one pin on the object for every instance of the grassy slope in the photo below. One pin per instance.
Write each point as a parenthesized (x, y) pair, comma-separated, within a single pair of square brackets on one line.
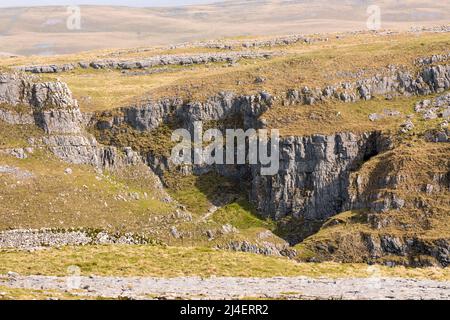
[(88, 199), (202, 193), (54, 199), (85, 198), (331, 117)]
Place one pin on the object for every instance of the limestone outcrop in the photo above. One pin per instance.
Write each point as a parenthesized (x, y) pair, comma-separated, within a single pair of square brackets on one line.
[(51, 107), (313, 179), (391, 82), (155, 61)]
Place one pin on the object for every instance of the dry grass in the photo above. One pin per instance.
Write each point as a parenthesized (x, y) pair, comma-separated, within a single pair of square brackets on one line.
[(333, 116), (12, 136), (314, 65), (416, 164), (98, 90), (170, 262)]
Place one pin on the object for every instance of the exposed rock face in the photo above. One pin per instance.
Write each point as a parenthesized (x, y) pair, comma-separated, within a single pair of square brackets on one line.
[(20, 89), (314, 175), (51, 68), (146, 117), (60, 121), (16, 172), (436, 58), (19, 153), (12, 117), (14, 89), (54, 95), (385, 248), (413, 248), (152, 114), (227, 105), (438, 135), (267, 249), (52, 108), (51, 104), (393, 81)]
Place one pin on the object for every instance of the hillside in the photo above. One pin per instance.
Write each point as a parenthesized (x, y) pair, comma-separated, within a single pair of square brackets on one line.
[(364, 166), (43, 31)]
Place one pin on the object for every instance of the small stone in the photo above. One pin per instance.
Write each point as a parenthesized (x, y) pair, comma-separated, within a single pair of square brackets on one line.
[(228, 228), (442, 137), (309, 100), (174, 232), (446, 113), (407, 126), (260, 79), (375, 117), (210, 234), (430, 115), (12, 274), (68, 171)]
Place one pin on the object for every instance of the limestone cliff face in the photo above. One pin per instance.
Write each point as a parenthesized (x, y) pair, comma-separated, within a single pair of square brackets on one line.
[(150, 115), (50, 106), (313, 179), (18, 89), (222, 107), (416, 251), (15, 89), (227, 105), (385, 248)]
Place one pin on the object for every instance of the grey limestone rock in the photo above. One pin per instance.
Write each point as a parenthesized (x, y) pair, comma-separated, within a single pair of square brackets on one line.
[(313, 178)]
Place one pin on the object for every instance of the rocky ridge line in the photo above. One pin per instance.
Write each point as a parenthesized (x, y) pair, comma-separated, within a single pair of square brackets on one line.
[(144, 63)]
